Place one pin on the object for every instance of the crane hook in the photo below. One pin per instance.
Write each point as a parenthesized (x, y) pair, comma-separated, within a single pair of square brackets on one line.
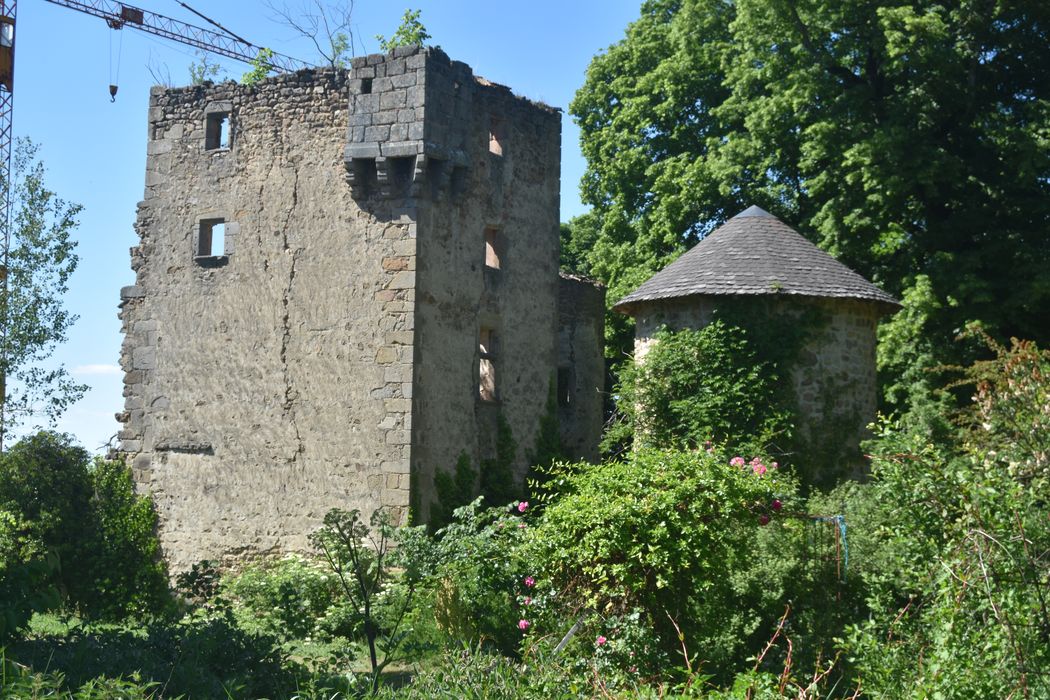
[(112, 93)]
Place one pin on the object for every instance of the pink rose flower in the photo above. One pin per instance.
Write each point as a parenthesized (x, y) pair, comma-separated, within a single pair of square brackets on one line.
[(776, 505), (523, 506), (759, 469), (530, 582), (523, 625), (763, 519), (775, 465), (737, 461), (528, 600), (600, 641)]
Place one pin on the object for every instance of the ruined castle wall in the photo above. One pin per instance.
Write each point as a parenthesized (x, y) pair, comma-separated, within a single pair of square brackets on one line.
[(581, 366), (487, 271), (263, 385)]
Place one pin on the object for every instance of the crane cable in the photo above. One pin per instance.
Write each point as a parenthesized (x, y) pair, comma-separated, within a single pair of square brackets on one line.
[(114, 79)]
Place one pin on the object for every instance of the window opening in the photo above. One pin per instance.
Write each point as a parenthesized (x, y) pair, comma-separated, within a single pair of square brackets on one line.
[(217, 131), (564, 386), (211, 239), (491, 249), (366, 86), (496, 136), (487, 367)]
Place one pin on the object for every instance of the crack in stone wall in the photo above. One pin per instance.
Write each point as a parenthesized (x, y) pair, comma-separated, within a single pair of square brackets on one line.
[(289, 391)]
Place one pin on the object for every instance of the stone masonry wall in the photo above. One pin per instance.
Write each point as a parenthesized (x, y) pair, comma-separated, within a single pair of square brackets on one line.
[(491, 163), (267, 384), (581, 365)]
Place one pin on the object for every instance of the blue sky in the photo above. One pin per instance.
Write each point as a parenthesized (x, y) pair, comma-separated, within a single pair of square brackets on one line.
[(95, 150)]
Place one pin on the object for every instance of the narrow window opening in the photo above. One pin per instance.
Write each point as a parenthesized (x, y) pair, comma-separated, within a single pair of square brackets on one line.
[(487, 367), (491, 249), (211, 238), (217, 131), (564, 386), (401, 170), (496, 136), (366, 86)]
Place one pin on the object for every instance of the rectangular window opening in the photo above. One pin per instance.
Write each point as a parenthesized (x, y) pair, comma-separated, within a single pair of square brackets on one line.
[(487, 368), (496, 136), (491, 248), (211, 238), (564, 386), (217, 131), (366, 86)]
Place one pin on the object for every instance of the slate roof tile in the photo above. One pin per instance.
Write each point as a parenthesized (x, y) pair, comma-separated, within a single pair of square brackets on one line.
[(755, 253)]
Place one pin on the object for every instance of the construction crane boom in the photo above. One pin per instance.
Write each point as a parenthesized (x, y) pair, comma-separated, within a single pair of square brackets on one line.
[(118, 15)]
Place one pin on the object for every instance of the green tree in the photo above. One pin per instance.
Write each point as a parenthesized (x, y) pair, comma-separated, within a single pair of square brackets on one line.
[(907, 137), (261, 67), (40, 257), (205, 70), (410, 32)]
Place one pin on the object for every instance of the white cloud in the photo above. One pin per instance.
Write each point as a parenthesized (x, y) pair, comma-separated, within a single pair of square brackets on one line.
[(96, 369)]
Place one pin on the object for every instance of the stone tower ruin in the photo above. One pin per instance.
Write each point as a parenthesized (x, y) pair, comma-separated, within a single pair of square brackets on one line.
[(756, 262), (344, 280)]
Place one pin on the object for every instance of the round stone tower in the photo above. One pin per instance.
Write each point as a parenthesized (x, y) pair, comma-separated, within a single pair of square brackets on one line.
[(757, 261)]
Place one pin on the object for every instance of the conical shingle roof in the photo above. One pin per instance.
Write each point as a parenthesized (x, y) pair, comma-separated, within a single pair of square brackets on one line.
[(755, 253)]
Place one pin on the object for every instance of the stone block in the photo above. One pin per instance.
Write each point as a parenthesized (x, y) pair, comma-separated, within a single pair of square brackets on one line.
[(361, 150), (398, 437), (395, 466), (405, 279), (393, 100), (399, 337), (386, 355), (401, 149), (386, 116), (144, 358), (132, 292), (377, 133), (395, 497), (397, 405)]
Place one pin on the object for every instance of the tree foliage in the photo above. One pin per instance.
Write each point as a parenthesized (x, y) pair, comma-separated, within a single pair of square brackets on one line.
[(410, 32), (59, 503), (906, 137), (41, 258)]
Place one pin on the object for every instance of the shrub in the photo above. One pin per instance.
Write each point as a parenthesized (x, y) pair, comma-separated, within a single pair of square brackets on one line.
[(291, 599), (676, 535), (87, 515), (26, 577), (700, 386), (126, 571), (960, 545), (472, 575)]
